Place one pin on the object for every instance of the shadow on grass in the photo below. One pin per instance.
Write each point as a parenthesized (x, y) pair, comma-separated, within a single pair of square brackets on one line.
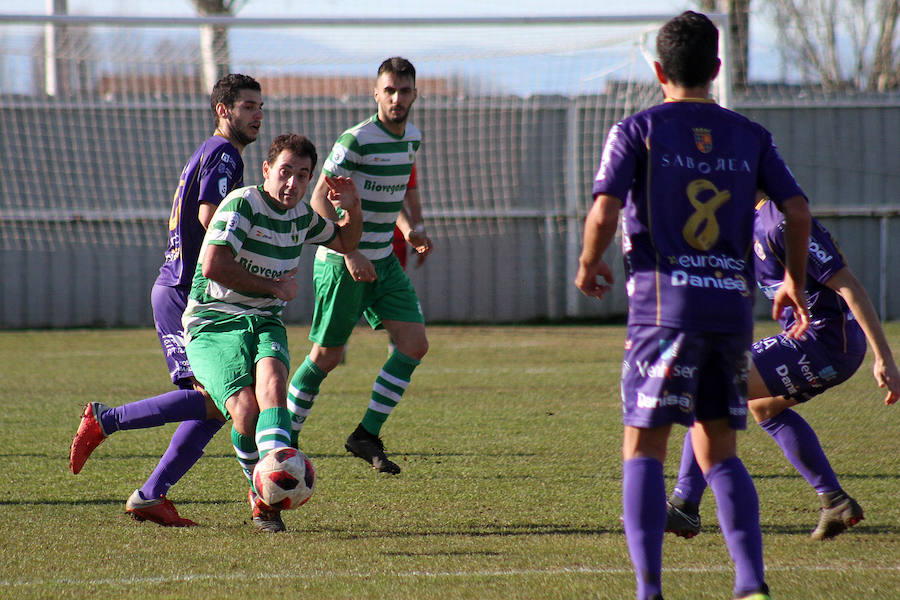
[(841, 476), (475, 531), (103, 502), (230, 456), (805, 530)]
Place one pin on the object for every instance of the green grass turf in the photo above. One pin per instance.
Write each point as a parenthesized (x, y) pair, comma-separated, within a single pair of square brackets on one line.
[(509, 439)]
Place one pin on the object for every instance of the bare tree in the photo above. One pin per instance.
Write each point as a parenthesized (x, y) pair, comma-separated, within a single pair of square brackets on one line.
[(841, 43), (885, 65), (214, 51)]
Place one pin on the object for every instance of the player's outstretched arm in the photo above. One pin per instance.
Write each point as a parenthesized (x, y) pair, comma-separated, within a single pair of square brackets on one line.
[(845, 283), (797, 224), (599, 231)]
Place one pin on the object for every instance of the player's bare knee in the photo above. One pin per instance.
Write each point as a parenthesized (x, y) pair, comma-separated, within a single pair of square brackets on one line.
[(767, 408), (414, 347), (762, 413), (244, 413), (271, 393), (327, 359)]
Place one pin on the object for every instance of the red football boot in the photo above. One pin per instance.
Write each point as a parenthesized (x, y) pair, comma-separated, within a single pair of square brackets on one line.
[(159, 510), (90, 435)]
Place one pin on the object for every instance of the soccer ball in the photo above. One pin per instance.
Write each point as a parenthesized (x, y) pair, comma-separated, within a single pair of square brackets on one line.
[(284, 478)]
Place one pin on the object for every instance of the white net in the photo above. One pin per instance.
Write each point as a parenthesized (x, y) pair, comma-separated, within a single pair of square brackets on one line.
[(101, 115)]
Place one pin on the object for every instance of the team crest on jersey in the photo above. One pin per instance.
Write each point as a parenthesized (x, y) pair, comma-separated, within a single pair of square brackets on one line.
[(412, 152), (295, 237), (703, 140), (758, 249), (223, 187), (233, 221), (338, 155)]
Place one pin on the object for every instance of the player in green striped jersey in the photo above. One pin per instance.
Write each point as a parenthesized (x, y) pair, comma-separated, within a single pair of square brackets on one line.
[(378, 155), (236, 340)]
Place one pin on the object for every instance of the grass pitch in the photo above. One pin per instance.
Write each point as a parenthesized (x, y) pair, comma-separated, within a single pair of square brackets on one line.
[(509, 440)]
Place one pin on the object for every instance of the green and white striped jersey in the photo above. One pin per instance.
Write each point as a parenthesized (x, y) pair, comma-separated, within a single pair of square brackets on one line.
[(379, 163), (265, 239)]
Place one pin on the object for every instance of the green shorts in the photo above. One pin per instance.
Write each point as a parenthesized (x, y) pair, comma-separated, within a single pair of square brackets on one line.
[(223, 354), (341, 301)]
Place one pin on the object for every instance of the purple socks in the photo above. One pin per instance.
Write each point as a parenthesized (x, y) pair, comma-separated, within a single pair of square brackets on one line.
[(796, 439), (738, 510), (183, 452), (690, 484), (644, 514), (171, 407), (801, 447), (186, 447)]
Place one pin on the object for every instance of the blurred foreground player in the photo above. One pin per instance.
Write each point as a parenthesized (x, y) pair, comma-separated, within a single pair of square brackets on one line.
[(686, 173)]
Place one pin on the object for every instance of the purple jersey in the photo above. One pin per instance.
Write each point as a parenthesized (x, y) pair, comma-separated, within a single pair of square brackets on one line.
[(214, 170), (687, 173), (825, 259)]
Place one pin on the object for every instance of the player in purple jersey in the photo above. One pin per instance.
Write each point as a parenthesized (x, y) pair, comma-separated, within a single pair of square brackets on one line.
[(787, 372), (214, 169), (685, 173)]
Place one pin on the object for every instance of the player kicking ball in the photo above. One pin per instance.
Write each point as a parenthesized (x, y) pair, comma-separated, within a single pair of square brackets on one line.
[(788, 371), (211, 173), (236, 341)]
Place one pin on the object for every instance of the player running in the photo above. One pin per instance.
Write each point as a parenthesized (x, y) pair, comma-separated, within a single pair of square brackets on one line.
[(787, 371), (378, 154), (686, 172)]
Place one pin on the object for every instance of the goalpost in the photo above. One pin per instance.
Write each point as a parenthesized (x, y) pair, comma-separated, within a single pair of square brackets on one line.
[(102, 112)]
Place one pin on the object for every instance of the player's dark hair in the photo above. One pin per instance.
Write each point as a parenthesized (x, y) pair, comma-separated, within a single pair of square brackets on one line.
[(294, 142), (397, 65), (687, 48), (227, 90)]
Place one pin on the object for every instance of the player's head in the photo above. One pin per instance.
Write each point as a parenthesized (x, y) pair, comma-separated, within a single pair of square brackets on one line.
[(687, 49), (397, 65), (395, 91), (288, 168), (236, 102)]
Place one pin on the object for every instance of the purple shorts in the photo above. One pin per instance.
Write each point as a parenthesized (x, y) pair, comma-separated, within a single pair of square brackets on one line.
[(168, 305), (801, 369), (677, 376)]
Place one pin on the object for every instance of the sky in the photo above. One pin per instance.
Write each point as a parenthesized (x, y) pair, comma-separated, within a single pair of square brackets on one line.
[(764, 62), (359, 8)]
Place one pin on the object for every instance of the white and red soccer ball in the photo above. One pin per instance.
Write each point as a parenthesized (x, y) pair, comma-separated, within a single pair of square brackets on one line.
[(284, 478)]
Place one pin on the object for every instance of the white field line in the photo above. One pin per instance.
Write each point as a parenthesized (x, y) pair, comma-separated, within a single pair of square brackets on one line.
[(325, 574)]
